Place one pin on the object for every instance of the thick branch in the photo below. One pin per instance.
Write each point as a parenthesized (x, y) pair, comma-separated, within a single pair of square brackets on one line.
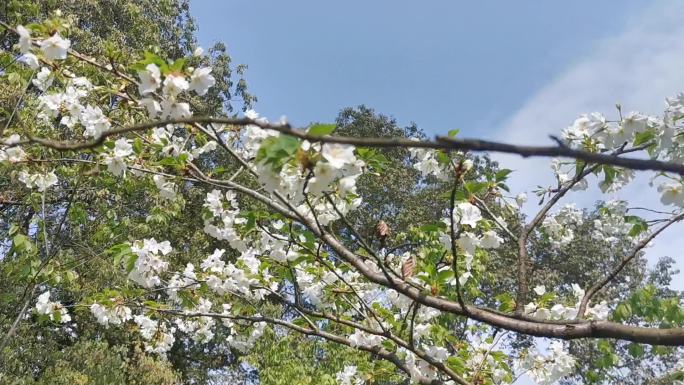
[(444, 143)]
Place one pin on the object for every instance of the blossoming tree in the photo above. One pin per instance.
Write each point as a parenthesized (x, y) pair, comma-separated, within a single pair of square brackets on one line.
[(277, 202)]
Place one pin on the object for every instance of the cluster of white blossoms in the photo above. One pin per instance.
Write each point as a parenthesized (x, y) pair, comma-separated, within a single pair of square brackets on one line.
[(427, 163), (611, 225), (9, 152), (111, 315), (149, 263), (546, 369), (54, 47), (559, 311), (329, 184), (116, 161), (200, 329), (466, 217), (173, 85), (54, 310), (224, 212), (559, 226), (167, 189), (318, 183), (349, 376), (69, 106), (660, 136), (158, 337), (39, 181), (361, 338), (483, 355)]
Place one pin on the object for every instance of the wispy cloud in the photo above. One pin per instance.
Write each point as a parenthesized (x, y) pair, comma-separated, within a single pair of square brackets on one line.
[(637, 68)]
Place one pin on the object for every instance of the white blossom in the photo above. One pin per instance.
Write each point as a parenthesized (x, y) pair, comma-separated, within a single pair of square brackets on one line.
[(490, 240), (43, 79), (152, 106), (94, 121), (30, 60), (175, 84), (55, 47), (338, 155), (24, 39), (467, 214), (201, 80), (150, 79), (167, 189), (52, 309)]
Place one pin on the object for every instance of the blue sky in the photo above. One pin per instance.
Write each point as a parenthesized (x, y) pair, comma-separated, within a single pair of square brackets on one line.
[(443, 65)]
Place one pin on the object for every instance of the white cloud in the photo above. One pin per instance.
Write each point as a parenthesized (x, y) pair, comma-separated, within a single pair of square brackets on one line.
[(638, 68)]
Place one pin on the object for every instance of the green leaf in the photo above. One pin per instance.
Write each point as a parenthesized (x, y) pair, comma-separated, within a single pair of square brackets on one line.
[(638, 225), (137, 146), (644, 137), (507, 302), (609, 173), (150, 58), (453, 133), (277, 150), (321, 129), (476, 187), (176, 66), (501, 175), (130, 263), (444, 276), (622, 312), (635, 350), (456, 364)]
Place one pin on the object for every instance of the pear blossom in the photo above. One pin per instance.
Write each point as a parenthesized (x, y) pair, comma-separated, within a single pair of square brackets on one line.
[(338, 155), (150, 79), (633, 123), (467, 214), (43, 79), (50, 308), (175, 84), (490, 240), (213, 262), (167, 189), (152, 106), (40, 181), (30, 60), (174, 110), (94, 121), (24, 39), (12, 155), (520, 199), (468, 242), (547, 369), (672, 193), (599, 311), (114, 315), (349, 376), (55, 47), (361, 338), (540, 289), (149, 263), (116, 163), (201, 80)]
